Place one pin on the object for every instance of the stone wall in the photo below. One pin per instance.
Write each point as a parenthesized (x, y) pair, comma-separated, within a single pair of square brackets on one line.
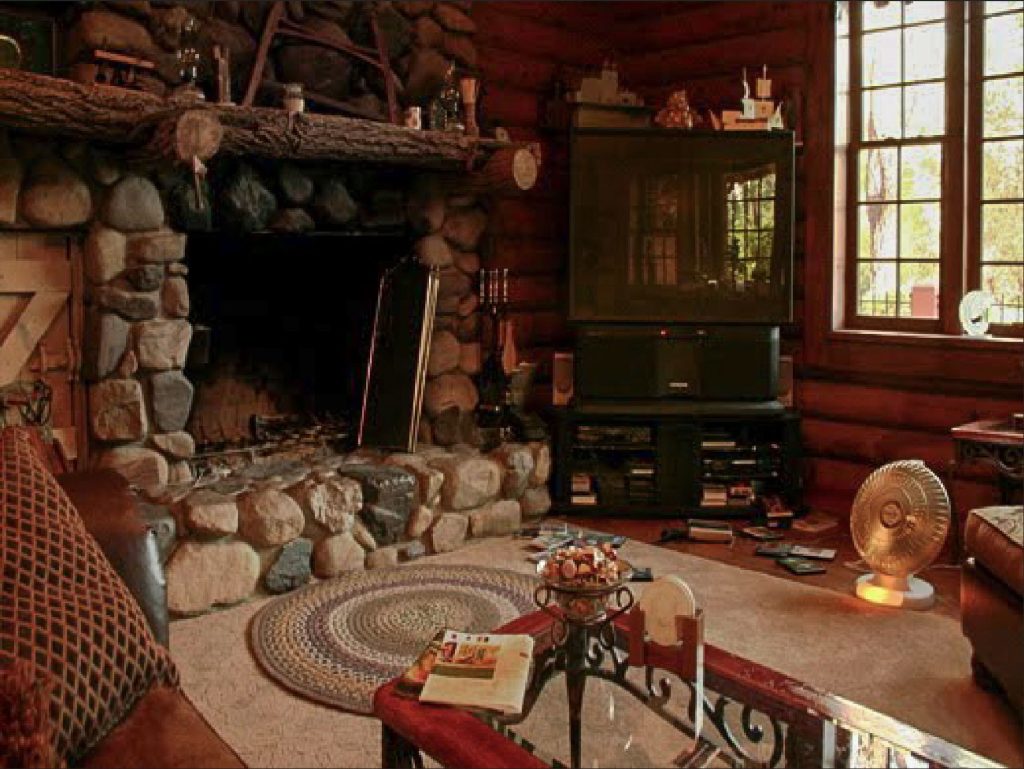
[(422, 38), (276, 524)]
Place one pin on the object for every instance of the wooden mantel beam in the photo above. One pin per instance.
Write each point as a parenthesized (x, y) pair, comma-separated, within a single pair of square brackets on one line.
[(47, 105)]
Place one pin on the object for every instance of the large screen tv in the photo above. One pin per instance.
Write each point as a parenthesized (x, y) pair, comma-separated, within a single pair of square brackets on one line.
[(671, 226)]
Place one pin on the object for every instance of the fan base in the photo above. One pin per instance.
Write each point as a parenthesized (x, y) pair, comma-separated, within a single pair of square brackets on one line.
[(900, 592)]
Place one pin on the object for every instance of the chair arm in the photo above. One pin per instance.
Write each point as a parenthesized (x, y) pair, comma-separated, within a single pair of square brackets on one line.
[(109, 510)]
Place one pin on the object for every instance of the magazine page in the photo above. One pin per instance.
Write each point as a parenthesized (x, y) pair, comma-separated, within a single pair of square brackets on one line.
[(480, 670)]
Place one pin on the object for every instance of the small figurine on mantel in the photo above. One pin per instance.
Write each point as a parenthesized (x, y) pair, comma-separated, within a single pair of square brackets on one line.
[(677, 113), (759, 113)]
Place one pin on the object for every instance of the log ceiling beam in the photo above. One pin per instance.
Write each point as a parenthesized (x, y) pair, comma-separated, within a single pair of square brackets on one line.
[(52, 106)]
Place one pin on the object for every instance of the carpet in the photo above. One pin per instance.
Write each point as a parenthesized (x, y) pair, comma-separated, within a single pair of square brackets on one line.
[(338, 641), (913, 666)]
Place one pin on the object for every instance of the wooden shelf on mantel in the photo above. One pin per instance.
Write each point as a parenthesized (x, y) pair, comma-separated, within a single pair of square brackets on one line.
[(149, 124)]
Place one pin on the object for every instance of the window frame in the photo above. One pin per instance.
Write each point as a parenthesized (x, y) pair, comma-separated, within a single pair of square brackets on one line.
[(975, 153), (960, 253)]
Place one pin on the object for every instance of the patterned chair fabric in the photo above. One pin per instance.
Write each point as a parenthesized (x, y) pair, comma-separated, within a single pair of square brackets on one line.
[(64, 608)]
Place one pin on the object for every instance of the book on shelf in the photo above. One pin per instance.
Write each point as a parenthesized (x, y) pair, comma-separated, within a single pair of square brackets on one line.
[(583, 499), (473, 670), (582, 483)]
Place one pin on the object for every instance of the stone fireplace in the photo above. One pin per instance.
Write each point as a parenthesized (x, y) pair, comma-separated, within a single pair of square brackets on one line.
[(221, 367), (154, 272)]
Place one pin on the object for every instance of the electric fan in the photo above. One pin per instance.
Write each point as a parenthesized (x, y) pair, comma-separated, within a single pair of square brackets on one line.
[(899, 522)]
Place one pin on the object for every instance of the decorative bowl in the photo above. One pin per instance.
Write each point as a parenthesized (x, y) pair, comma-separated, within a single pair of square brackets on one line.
[(584, 603)]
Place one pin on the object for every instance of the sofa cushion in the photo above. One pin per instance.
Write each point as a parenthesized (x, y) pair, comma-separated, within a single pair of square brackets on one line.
[(65, 609), (995, 537), (164, 730)]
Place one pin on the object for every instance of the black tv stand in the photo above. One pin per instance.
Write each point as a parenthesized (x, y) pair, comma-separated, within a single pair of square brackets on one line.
[(709, 459)]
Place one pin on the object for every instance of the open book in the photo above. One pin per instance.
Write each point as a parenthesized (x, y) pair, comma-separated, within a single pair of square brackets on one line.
[(474, 670)]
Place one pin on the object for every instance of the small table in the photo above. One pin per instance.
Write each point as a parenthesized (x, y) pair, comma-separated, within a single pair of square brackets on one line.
[(990, 441), (642, 716)]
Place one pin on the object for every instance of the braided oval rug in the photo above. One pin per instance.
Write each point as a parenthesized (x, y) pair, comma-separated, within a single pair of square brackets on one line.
[(337, 641)]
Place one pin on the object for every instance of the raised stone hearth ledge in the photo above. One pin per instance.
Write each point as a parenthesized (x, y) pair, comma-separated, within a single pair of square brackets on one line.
[(275, 525), (56, 107)]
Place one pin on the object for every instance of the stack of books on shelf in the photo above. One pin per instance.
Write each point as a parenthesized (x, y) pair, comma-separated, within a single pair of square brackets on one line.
[(717, 441), (583, 489), (714, 495), (640, 487), (740, 494)]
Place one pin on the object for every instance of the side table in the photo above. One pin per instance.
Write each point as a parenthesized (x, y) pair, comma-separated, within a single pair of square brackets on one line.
[(994, 442)]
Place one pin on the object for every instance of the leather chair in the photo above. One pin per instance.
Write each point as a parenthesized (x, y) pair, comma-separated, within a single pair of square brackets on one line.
[(991, 591), (163, 729)]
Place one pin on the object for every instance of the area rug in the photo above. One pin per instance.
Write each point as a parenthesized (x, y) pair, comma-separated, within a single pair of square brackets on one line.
[(336, 642), (910, 665)]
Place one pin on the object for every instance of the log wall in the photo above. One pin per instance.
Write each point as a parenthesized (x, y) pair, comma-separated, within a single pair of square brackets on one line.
[(849, 428), (521, 46)]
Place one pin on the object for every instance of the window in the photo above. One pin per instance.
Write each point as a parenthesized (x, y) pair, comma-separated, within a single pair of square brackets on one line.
[(933, 117)]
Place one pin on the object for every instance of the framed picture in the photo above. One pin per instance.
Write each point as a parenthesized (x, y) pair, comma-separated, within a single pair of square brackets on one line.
[(28, 41)]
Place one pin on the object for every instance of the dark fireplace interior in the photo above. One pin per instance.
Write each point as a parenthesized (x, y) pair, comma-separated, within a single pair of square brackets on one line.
[(289, 318)]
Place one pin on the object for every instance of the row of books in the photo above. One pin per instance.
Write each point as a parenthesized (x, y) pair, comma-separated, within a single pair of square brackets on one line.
[(738, 494)]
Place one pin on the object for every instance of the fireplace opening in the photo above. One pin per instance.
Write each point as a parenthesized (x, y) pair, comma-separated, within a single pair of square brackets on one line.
[(282, 331)]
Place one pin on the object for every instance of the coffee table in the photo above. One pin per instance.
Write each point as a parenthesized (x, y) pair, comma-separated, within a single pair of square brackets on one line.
[(643, 716)]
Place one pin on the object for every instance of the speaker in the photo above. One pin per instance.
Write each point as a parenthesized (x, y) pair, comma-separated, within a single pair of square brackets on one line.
[(644, 363), (561, 378)]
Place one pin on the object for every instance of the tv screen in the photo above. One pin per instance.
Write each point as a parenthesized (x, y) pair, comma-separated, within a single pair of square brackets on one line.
[(673, 226)]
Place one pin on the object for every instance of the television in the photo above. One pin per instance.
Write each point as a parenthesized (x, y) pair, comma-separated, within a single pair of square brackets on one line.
[(674, 226)]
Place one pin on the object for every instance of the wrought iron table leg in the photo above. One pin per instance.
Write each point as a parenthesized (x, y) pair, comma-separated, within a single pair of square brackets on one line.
[(575, 683), (397, 752)]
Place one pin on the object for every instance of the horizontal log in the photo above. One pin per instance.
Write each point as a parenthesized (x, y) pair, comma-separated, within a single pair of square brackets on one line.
[(887, 407), (776, 48), (47, 105), (518, 68), (521, 217), (718, 22), (498, 27), (512, 107), (824, 475), (575, 16), (528, 254)]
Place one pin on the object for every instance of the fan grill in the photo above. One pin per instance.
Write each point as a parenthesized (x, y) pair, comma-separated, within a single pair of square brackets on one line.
[(900, 518)]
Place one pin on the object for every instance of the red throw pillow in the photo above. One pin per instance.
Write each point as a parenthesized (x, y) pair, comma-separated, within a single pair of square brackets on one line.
[(64, 609)]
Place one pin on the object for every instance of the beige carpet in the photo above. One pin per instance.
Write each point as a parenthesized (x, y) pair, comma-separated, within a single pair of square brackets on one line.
[(914, 666)]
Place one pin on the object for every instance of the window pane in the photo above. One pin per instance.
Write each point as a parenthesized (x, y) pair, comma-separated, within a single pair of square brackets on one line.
[(926, 52), (1004, 107), (882, 114), (876, 232), (1002, 232), (878, 174), (919, 290), (995, 6), (886, 16), (1004, 44), (1003, 170), (920, 225), (881, 58), (923, 11), (921, 172), (876, 289), (1006, 284), (925, 110)]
